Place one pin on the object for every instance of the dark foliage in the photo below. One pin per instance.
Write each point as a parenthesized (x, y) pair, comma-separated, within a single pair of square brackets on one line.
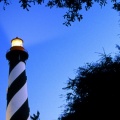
[(94, 93), (74, 6), (35, 117)]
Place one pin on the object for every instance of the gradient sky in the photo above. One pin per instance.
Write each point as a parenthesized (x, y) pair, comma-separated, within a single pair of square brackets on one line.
[(55, 51)]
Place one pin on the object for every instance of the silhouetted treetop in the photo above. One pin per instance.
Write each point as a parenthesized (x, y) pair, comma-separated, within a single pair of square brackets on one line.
[(74, 6), (35, 117), (94, 92)]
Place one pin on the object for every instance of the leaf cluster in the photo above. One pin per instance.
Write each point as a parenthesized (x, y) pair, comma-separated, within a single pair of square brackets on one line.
[(74, 7), (25, 4), (94, 92), (35, 117)]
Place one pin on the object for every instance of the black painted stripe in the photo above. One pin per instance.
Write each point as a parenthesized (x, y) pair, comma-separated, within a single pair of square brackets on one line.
[(17, 84), (22, 113), (12, 65)]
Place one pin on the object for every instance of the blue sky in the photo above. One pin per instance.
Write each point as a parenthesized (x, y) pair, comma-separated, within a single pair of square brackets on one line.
[(55, 51)]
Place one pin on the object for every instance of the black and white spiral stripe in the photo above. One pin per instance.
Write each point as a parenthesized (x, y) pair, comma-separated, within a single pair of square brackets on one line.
[(17, 96)]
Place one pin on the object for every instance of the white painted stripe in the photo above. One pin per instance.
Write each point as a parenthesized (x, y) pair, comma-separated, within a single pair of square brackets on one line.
[(16, 102), (28, 118), (17, 70)]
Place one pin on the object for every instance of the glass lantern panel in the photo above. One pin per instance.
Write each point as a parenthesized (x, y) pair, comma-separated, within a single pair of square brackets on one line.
[(17, 42)]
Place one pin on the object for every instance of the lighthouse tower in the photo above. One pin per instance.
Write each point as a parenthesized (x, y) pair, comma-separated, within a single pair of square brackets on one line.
[(17, 96)]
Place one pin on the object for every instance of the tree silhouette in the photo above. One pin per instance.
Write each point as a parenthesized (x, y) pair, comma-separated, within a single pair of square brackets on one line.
[(94, 92), (74, 6), (35, 117)]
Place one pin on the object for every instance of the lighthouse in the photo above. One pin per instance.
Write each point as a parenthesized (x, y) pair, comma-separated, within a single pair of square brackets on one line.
[(17, 95)]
